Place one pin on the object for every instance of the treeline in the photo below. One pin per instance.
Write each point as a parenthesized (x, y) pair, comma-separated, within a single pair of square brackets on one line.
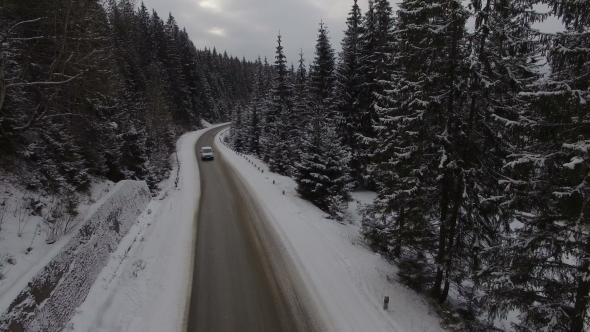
[(89, 88), (473, 128)]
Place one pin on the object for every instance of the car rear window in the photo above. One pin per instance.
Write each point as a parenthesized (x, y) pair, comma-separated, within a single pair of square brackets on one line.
[(206, 150)]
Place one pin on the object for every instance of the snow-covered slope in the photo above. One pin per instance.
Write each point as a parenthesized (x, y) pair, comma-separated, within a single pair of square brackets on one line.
[(24, 250), (145, 286), (49, 299), (347, 280)]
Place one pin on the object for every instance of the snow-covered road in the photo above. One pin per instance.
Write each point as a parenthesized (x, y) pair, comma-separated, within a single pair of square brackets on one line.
[(144, 286), (239, 282)]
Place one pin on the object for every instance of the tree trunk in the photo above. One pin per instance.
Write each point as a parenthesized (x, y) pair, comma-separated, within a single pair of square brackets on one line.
[(2, 77), (443, 259), (397, 251), (582, 292), (444, 209), (458, 189)]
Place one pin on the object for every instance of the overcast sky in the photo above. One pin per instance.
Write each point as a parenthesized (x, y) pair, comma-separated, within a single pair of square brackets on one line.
[(249, 27)]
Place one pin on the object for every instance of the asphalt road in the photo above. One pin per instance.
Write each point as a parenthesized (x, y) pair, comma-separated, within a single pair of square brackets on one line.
[(240, 280)]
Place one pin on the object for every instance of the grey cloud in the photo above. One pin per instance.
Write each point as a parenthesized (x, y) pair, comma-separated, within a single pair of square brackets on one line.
[(250, 27)]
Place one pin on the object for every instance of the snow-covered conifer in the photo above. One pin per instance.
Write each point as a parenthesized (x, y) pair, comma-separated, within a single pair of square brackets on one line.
[(322, 171), (349, 84), (279, 129)]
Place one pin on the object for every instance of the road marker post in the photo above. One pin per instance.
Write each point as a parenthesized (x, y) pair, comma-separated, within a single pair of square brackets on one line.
[(385, 302)]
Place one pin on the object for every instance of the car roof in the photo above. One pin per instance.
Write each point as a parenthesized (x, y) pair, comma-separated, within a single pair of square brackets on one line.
[(205, 147)]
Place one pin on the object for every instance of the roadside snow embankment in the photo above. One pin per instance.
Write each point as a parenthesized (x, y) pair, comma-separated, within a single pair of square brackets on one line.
[(347, 280), (49, 300), (146, 284)]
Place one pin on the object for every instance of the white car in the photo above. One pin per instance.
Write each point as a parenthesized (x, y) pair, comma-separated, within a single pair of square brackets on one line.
[(206, 153)]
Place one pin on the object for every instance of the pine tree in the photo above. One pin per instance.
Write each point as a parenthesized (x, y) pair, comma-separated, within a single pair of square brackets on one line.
[(255, 112), (380, 58), (238, 130), (301, 102), (177, 87), (348, 88), (420, 181), (375, 62), (322, 172), (541, 270), (321, 79), (278, 118), (368, 48)]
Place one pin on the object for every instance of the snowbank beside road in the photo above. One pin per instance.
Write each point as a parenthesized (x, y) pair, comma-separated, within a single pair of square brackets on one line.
[(29, 252), (347, 281), (146, 284), (49, 299)]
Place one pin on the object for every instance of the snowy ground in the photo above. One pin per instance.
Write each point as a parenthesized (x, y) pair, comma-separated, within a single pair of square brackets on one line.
[(23, 247), (145, 285), (347, 280)]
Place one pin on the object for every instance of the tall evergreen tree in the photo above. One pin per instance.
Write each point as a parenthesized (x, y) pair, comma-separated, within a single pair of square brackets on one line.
[(368, 47), (322, 173), (546, 258), (321, 79), (255, 113), (419, 175), (348, 88), (301, 96), (278, 118)]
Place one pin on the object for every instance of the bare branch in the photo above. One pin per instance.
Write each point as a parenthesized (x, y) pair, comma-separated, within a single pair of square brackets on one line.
[(42, 83), (25, 39), (34, 118), (20, 23)]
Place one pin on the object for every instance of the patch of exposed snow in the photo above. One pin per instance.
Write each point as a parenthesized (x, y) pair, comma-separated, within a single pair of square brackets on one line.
[(572, 164)]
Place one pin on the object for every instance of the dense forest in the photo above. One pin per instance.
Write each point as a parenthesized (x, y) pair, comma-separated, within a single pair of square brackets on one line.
[(103, 89), (472, 126)]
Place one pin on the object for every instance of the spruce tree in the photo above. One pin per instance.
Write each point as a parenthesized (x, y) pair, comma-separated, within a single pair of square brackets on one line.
[(321, 79), (541, 270), (420, 181), (279, 129), (238, 129), (322, 172), (368, 47), (380, 59), (255, 112), (301, 105), (348, 88)]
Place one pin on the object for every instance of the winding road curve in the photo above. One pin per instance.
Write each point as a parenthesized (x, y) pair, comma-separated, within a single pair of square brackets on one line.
[(241, 281)]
